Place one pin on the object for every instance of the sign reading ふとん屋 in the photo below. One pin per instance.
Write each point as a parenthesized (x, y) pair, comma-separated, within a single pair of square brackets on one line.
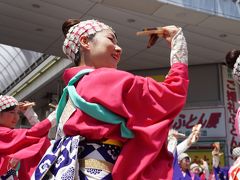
[(212, 120)]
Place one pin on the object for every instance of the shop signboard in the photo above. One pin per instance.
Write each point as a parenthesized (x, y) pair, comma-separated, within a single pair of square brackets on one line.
[(230, 91), (212, 120)]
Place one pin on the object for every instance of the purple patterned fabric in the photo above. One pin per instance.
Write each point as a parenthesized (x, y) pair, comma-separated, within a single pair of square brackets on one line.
[(61, 161)]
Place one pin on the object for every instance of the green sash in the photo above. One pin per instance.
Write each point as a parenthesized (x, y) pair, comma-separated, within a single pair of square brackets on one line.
[(94, 110)]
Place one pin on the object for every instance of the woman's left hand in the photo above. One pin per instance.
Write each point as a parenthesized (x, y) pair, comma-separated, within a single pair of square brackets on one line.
[(23, 106)]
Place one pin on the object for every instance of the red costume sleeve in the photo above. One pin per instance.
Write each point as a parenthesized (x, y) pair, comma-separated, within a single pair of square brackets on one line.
[(27, 145), (154, 107)]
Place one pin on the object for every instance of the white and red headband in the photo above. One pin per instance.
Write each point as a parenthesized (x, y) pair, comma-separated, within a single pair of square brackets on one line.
[(71, 44), (236, 71), (7, 102)]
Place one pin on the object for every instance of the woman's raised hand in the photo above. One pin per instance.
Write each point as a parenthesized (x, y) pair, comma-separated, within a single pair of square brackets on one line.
[(166, 32), (169, 32)]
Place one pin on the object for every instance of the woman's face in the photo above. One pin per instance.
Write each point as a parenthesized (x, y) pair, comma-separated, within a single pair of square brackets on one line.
[(9, 118), (185, 164), (104, 50), (196, 170)]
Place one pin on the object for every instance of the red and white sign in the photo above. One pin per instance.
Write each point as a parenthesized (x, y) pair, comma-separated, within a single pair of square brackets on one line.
[(230, 99), (212, 120)]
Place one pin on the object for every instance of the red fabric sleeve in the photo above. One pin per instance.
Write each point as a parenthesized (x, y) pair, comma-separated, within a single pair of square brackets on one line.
[(24, 144), (153, 107)]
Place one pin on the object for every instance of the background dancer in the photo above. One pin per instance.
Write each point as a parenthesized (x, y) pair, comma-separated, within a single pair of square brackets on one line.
[(21, 149)]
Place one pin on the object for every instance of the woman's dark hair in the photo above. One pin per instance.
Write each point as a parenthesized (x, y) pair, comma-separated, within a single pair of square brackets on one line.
[(9, 109), (231, 57), (68, 24), (65, 28)]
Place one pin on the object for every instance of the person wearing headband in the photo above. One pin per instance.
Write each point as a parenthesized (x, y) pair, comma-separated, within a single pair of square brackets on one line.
[(181, 162), (200, 170), (113, 124), (21, 149), (232, 60), (234, 171)]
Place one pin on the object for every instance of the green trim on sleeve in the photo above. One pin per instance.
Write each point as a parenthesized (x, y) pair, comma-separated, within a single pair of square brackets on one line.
[(94, 110)]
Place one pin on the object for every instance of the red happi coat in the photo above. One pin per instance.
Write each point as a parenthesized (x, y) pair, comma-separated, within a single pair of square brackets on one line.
[(27, 145), (149, 108), (234, 171)]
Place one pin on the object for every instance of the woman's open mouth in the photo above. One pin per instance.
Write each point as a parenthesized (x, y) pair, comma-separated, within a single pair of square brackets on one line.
[(116, 56)]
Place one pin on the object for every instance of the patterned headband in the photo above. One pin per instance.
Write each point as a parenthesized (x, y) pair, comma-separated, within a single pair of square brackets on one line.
[(236, 71), (71, 44), (236, 152), (7, 102)]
